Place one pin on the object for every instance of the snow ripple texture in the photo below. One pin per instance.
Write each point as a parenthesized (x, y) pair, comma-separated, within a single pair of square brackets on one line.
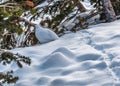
[(86, 58)]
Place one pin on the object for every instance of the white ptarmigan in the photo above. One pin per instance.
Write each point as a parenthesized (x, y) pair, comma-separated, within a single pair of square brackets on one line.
[(45, 35)]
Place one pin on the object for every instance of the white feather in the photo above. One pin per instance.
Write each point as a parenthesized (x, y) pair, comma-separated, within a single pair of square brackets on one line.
[(45, 35)]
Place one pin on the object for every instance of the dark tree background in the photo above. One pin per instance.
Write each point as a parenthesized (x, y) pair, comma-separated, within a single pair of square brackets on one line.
[(54, 15)]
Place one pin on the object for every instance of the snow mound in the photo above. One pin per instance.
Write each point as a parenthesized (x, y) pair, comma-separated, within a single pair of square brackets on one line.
[(84, 66), (88, 56), (65, 51), (42, 81), (56, 59), (115, 62)]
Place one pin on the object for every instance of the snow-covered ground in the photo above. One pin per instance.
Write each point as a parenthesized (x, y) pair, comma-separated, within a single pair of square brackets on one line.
[(87, 58)]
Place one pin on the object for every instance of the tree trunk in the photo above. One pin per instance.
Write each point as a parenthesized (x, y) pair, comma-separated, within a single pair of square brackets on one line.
[(109, 11), (80, 6)]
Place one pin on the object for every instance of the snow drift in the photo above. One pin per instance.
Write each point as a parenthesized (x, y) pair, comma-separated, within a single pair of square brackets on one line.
[(86, 58)]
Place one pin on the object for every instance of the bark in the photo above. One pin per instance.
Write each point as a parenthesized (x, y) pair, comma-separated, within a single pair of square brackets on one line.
[(38, 2), (80, 6), (91, 15), (26, 21), (108, 10)]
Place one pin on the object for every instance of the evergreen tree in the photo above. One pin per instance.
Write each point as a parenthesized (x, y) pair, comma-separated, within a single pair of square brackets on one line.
[(54, 14), (105, 8), (6, 58), (116, 6), (10, 10), (57, 13), (60, 11)]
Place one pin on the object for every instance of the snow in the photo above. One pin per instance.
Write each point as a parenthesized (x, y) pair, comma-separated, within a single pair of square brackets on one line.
[(86, 58)]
